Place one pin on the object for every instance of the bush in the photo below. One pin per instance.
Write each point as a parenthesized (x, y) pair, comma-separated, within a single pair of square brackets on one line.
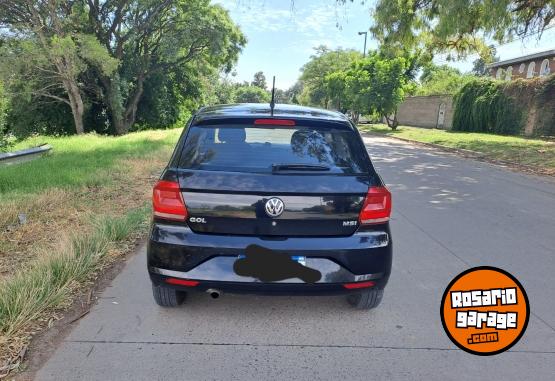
[(28, 116), (483, 106)]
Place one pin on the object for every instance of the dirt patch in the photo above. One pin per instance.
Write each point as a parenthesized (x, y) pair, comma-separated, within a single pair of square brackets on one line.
[(36, 222)]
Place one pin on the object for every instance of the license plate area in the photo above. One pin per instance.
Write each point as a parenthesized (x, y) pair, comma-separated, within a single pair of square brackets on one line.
[(301, 259)]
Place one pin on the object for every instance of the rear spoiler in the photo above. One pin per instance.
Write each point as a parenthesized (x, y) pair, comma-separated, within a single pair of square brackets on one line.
[(261, 121)]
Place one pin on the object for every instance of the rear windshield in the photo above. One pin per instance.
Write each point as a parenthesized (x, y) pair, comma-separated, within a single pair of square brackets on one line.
[(270, 149)]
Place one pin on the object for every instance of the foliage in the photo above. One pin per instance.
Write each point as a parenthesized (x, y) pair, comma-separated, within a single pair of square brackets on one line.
[(45, 52), (27, 116), (169, 100), (293, 93), (314, 72), (506, 107), (545, 101), (378, 85), (218, 89), (126, 62), (251, 94), (538, 94), (280, 96), (440, 80), (482, 106), (479, 65), (457, 26), (3, 114), (181, 35), (336, 89), (373, 85), (259, 80)]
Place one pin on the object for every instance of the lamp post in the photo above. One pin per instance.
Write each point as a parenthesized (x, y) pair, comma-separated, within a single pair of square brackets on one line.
[(365, 37)]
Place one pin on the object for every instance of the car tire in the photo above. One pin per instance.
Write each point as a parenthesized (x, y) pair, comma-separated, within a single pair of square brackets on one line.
[(366, 300), (167, 297)]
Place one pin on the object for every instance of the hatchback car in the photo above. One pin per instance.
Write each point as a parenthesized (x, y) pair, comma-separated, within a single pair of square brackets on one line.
[(270, 201)]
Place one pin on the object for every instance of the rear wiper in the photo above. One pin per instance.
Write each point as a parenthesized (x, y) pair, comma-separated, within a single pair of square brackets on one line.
[(299, 167)]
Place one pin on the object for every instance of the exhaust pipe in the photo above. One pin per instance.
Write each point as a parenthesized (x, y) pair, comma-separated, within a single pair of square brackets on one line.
[(215, 294)]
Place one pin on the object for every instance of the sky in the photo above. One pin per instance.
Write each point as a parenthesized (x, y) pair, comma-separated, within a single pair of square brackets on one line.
[(283, 34)]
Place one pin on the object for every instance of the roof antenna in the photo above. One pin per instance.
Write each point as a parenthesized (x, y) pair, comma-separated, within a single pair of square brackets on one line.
[(273, 101)]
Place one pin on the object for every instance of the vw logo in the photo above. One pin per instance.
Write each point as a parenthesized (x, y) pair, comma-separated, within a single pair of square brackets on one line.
[(274, 207)]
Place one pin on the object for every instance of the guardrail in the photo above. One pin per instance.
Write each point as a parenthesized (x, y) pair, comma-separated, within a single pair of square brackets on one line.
[(24, 154)]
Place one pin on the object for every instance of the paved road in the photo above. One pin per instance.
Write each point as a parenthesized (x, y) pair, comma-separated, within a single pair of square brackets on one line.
[(449, 214)]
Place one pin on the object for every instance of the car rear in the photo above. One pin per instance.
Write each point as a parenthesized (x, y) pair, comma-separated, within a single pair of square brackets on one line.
[(271, 205)]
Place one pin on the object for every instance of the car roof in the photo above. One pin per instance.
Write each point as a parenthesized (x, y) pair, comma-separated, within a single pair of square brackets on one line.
[(262, 110)]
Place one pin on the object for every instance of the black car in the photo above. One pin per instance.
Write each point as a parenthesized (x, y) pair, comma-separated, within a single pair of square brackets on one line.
[(270, 201)]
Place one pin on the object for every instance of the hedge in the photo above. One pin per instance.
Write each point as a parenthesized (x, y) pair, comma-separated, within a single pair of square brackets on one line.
[(508, 108)]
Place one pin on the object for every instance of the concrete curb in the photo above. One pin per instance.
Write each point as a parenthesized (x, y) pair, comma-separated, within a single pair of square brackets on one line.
[(24, 155)]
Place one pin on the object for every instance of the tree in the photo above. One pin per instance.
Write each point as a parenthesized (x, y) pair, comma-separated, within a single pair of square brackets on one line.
[(440, 80), (153, 38), (251, 94), (218, 89), (259, 80), (373, 85), (336, 88), (479, 65), (115, 62), (47, 54), (281, 96), (459, 27), (314, 72), (294, 92)]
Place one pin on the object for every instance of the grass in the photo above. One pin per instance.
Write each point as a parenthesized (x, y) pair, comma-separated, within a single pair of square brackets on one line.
[(48, 282), (79, 160), (535, 153), (84, 177), (82, 204)]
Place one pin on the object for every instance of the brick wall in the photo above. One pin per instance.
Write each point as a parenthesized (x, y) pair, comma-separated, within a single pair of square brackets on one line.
[(423, 111), (516, 72)]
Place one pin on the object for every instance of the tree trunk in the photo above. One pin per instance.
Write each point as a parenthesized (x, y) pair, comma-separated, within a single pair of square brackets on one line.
[(76, 104), (119, 125), (113, 103), (122, 117), (133, 103), (77, 111), (392, 123)]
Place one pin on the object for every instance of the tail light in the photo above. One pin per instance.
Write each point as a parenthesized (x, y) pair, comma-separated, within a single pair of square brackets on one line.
[(357, 285), (182, 282), (377, 206), (167, 201)]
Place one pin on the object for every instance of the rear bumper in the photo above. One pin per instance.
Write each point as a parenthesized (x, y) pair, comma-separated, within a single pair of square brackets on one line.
[(178, 252)]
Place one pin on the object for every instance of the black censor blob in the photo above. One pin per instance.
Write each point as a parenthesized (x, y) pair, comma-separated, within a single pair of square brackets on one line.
[(270, 266)]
